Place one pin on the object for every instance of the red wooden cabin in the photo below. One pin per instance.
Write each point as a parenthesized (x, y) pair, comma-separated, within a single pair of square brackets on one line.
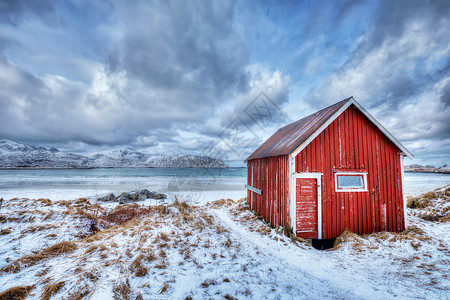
[(335, 169)]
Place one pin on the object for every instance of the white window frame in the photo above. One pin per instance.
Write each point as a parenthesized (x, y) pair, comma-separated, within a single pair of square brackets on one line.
[(363, 174)]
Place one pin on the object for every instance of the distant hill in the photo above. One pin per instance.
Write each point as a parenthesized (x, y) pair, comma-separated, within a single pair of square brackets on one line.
[(428, 169), (16, 155)]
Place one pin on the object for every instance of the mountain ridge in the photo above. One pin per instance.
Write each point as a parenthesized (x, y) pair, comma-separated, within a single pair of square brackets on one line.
[(14, 155)]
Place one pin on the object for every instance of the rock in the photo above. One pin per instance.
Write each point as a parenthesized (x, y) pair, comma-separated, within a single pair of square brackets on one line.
[(109, 197), (139, 196), (152, 195), (127, 198)]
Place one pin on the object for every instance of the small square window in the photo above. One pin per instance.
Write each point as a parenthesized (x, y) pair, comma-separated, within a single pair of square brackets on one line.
[(350, 181)]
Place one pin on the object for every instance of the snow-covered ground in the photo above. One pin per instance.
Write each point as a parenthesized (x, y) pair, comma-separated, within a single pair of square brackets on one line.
[(204, 250), (218, 250)]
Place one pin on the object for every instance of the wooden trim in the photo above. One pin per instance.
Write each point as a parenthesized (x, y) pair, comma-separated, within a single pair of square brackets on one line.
[(321, 128), (292, 199), (363, 189), (318, 177), (337, 114), (405, 215), (258, 191)]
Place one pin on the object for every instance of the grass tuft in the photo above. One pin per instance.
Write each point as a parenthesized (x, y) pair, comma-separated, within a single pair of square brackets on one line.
[(51, 289), (208, 282), (32, 259), (16, 293), (5, 231), (122, 290)]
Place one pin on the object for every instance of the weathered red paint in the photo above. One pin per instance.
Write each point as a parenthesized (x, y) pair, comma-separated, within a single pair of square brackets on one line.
[(269, 174), (362, 147), (306, 208), (349, 143)]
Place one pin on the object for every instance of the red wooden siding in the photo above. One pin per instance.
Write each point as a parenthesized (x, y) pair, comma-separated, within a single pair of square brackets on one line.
[(352, 142), (270, 175)]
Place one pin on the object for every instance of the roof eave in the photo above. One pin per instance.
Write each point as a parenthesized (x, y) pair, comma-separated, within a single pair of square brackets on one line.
[(337, 114)]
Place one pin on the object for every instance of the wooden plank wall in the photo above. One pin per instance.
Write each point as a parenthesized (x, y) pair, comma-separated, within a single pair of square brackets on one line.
[(270, 175), (352, 142)]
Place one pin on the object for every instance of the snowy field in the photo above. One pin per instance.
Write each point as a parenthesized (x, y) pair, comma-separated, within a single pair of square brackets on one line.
[(206, 249), (218, 251)]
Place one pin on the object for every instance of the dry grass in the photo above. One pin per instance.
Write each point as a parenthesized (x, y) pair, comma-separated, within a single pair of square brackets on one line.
[(48, 215), (20, 219), (78, 293), (124, 213), (207, 283), (413, 234), (16, 293), (33, 259), (51, 289), (137, 267), (182, 206), (93, 275), (43, 202), (418, 202), (5, 231), (432, 206), (221, 203), (122, 290), (141, 271), (33, 229), (164, 288), (348, 237)]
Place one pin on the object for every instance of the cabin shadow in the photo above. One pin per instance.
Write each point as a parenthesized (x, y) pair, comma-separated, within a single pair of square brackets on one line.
[(323, 244)]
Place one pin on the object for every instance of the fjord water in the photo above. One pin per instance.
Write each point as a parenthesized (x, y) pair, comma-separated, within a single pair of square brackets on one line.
[(211, 182), (74, 183)]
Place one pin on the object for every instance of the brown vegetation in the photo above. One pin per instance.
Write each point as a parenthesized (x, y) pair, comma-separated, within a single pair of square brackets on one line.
[(432, 206), (122, 290), (5, 231), (16, 293), (32, 259), (51, 289)]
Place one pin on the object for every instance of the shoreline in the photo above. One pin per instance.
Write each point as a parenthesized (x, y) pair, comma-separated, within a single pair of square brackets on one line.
[(430, 171), (95, 168)]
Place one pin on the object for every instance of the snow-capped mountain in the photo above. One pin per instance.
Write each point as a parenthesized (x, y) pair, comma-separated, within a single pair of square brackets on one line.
[(15, 155), (130, 157)]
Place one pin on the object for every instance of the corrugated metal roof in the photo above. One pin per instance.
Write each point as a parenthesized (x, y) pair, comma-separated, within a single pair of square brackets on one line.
[(290, 137)]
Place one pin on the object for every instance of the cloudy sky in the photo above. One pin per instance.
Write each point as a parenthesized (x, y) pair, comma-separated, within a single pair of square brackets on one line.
[(189, 76)]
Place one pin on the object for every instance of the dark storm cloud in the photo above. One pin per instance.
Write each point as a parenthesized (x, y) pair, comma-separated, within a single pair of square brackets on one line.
[(171, 65), (192, 45)]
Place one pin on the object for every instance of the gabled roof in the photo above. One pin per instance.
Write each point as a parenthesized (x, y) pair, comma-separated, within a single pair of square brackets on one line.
[(293, 138)]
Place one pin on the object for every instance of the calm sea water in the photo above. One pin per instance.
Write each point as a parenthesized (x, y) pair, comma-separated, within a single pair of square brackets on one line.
[(71, 183)]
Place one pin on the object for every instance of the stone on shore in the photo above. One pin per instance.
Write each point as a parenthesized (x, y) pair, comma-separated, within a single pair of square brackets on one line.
[(130, 197), (107, 198)]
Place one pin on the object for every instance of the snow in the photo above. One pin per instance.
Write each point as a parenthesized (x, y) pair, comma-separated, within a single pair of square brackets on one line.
[(215, 250)]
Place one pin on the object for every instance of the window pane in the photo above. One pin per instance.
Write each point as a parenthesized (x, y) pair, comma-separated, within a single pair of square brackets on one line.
[(348, 181)]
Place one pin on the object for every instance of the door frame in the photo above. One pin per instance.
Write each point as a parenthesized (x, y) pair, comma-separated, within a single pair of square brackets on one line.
[(293, 196)]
